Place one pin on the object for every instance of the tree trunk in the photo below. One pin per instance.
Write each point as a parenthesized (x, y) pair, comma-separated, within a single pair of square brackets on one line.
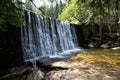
[(100, 28), (109, 28), (117, 16)]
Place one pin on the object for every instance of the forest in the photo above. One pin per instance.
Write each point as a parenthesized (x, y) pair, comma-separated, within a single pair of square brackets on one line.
[(60, 39)]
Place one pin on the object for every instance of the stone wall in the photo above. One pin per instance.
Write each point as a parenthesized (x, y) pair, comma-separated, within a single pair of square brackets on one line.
[(10, 49), (11, 54), (79, 34)]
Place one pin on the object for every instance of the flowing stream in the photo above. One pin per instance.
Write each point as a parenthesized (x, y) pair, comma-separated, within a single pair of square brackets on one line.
[(46, 37)]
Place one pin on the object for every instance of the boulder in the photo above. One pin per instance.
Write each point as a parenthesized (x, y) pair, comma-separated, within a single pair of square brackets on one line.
[(91, 45), (72, 71), (78, 74), (78, 71), (34, 75), (22, 73), (116, 48), (104, 46)]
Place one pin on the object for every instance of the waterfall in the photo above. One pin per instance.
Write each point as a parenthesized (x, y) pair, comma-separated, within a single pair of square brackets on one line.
[(45, 37)]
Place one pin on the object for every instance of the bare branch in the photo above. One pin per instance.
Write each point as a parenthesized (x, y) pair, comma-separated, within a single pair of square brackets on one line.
[(37, 7)]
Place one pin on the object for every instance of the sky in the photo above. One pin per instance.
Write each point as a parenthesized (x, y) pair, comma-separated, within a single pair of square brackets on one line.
[(45, 2), (40, 3)]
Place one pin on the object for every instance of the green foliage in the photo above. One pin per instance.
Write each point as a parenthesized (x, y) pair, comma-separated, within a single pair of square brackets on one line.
[(53, 10), (9, 15), (69, 11), (87, 11), (76, 12)]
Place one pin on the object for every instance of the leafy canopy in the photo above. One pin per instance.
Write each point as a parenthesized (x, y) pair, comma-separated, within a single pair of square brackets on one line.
[(9, 15), (86, 11)]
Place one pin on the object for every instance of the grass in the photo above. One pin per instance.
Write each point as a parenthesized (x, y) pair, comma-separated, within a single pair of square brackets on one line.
[(106, 58)]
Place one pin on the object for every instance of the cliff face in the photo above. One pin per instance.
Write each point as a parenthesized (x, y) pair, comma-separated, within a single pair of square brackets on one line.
[(10, 49)]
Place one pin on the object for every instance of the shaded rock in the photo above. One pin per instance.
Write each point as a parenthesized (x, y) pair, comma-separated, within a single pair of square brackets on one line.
[(19, 70), (11, 54), (11, 77), (104, 46), (22, 73), (34, 75), (91, 45)]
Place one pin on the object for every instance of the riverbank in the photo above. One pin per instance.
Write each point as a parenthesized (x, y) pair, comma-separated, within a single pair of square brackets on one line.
[(103, 64)]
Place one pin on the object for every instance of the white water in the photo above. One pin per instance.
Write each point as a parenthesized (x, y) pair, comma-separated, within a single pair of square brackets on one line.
[(46, 37)]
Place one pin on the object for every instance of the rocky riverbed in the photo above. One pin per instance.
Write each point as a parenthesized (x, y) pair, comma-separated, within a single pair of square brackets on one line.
[(63, 70), (93, 65)]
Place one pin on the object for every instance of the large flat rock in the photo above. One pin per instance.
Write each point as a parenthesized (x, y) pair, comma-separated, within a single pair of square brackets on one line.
[(78, 71)]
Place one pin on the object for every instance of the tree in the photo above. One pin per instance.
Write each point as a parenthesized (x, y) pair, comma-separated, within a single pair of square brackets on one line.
[(54, 9), (91, 11), (75, 12), (9, 15)]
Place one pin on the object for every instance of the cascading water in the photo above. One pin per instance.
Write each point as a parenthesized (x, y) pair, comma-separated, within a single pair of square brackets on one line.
[(42, 37)]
